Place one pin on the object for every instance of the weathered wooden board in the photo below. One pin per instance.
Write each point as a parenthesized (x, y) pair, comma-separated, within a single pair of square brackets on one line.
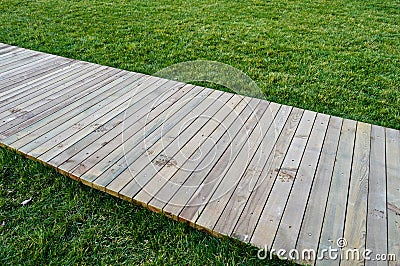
[(267, 174)]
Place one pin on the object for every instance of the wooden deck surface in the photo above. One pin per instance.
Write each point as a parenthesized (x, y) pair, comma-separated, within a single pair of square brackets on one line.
[(265, 173)]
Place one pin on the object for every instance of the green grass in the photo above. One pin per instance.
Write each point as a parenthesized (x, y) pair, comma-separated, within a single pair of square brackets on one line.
[(67, 223), (336, 57)]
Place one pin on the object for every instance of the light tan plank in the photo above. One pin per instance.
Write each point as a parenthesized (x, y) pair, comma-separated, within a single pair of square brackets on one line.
[(377, 217), (249, 217), (393, 192), (290, 224), (74, 129), (309, 233), (134, 120), (270, 217), (22, 81), (254, 175), (23, 65), (110, 165), (66, 110), (105, 131), (124, 180), (214, 177), (355, 229), (333, 224), (192, 180), (12, 55), (215, 128), (234, 177), (53, 98), (4, 50), (170, 152), (25, 99), (41, 83), (67, 123)]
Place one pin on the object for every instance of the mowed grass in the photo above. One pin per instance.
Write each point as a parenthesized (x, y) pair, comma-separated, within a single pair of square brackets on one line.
[(336, 57), (67, 223)]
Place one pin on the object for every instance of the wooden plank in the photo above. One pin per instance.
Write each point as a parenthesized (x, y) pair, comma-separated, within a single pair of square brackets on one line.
[(393, 191), (120, 176), (29, 108), (4, 49), (41, 83), (19, 124), (37, 77), (105, 131), (333, 224), (192, 180), (377, 216), (16, 67), (133, 119), (12, 55), (114, 106), (24, 76), (253, 208), (104, 157), (355, 229), (214, 176), (217, 127), (40, 132), (13, 98), (290, 223), (99, 115), (270, 217), (235, 176), (101, 161), (310, 231), (254, 175), (165, 158), (136, 119), (67, 109)]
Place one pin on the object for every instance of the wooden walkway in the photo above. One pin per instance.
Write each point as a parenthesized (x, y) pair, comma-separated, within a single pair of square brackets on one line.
[(262, 172)]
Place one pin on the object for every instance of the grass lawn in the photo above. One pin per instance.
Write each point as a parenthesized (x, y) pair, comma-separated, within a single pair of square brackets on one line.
[(336, 57)]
